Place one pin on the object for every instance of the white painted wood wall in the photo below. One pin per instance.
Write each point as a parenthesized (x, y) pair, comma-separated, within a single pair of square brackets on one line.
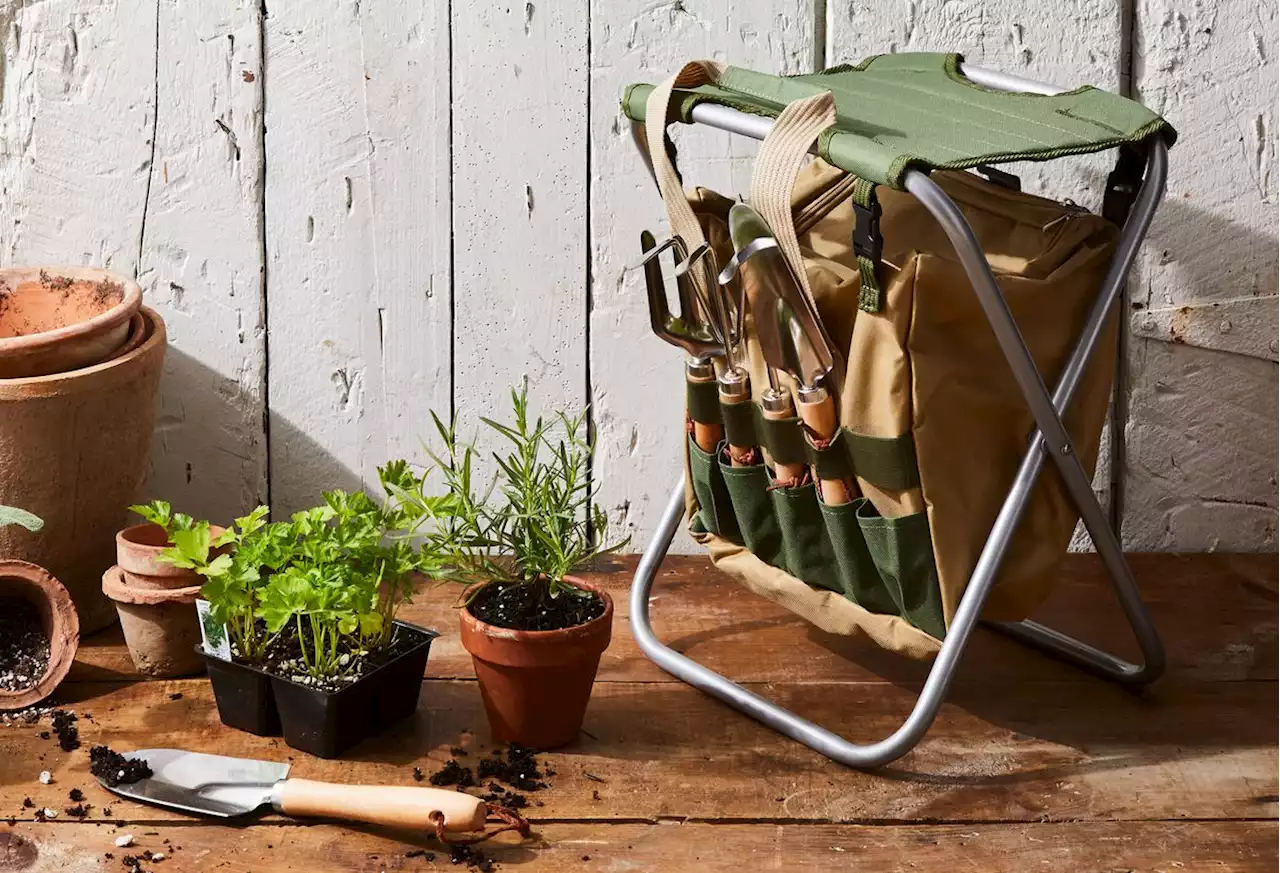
[(353, 211)]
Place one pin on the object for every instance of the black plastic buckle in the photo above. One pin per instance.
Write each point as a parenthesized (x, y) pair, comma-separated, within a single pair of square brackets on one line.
[(1123, 184), (999, 177), (867, 241)]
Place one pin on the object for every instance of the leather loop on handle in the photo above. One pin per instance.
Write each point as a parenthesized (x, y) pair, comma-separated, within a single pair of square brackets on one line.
[(778, 164), (684, 223), (819, 415), (392, 806)]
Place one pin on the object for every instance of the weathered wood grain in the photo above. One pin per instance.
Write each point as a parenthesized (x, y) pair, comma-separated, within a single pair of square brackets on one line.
[(636, 379), (1223, 631), (673, 847), (202, 258), (357, 211), (1201, 464), (76, 73), (998, 751), (519, 98)]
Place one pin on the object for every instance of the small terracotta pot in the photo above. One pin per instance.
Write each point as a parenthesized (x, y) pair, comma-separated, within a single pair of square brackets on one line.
[(536, 684), (58, 319), (138, 551), (161, 626), (60, 622)]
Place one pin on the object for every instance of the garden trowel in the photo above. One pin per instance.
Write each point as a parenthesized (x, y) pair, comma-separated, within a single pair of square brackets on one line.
[(219, 786)]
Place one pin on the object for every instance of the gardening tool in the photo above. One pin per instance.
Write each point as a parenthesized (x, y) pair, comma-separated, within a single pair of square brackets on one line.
[(762, 273), (688, 331), (224, 787), (809, 363), (734, 381)]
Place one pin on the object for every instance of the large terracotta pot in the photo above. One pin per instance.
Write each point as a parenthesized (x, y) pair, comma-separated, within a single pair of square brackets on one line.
[(58, 319), (59, 622), (536, 684), (74, 449)]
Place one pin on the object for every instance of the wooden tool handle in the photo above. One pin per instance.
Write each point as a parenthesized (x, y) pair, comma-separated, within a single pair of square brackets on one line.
[(820, 416), (394, 806), (784, 473), (707, 436)]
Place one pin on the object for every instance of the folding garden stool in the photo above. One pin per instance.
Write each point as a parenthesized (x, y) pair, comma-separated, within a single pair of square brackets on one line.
[(1134, 191)]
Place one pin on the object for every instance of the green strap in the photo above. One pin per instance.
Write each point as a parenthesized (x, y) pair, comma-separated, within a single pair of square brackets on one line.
[(867, 245), (703, 400), (888, 462), (782, 437), (740, 423)]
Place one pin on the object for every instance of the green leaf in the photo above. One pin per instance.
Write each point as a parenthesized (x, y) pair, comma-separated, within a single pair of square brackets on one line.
[(157, 512), (13, 515), (217, 567), (193, 543)]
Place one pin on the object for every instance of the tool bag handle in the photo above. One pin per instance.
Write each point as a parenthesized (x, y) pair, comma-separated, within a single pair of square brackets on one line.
[(778, 164), (679, 213)]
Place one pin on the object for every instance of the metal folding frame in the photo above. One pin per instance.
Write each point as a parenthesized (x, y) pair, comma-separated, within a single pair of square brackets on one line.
[(1050, 440)]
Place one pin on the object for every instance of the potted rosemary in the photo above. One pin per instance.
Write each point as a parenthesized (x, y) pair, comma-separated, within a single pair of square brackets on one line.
[(535, 631), (308, 608)]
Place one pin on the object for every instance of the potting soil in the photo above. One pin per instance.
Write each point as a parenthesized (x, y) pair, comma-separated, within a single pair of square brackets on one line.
[(284, 658), (24, 647), (530, 606), (114, 768)]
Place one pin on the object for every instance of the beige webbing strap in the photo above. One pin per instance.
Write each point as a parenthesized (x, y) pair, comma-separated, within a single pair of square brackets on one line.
[(684, 223), (778, 164)]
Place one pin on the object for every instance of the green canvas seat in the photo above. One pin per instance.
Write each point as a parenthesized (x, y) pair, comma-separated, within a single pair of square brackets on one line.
[(917, 110)]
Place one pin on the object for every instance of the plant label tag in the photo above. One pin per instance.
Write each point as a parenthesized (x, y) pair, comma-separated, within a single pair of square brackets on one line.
[(213, 635)]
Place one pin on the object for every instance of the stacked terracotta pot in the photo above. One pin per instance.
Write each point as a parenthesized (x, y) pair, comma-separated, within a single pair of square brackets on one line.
[(156, 603), (80, 361)]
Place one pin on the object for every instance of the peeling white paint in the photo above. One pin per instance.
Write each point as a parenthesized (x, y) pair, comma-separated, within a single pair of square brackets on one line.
[(367, 251)]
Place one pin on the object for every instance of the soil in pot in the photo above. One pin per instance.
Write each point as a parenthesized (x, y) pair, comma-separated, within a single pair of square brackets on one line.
[(536, 678), (24, 645), (39, 634), (528, 607)]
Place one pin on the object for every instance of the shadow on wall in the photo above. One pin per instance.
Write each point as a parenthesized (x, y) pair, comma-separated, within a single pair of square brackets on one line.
[(1215, 258), (1201, 456), (209, 453)]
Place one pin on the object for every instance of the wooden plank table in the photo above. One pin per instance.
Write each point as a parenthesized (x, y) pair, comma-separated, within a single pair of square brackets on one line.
[(1031, 765)]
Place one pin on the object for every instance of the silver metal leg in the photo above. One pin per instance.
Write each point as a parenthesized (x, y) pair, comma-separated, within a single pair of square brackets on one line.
[(1050, 439)]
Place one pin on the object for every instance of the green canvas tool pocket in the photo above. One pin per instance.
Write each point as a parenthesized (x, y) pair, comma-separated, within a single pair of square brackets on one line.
[(806, 548), (749, 493), (715, 510), (858, 573), (902, 552)]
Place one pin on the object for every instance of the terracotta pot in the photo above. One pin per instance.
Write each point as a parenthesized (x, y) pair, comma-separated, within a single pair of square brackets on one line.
[(58, 319), (161, 627), (536, 684), (138, 551), (137, 334), (58, 618), (74, 449)]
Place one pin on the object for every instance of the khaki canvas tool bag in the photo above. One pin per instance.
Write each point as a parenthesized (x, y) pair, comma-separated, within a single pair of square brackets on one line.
[(932, 424)]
